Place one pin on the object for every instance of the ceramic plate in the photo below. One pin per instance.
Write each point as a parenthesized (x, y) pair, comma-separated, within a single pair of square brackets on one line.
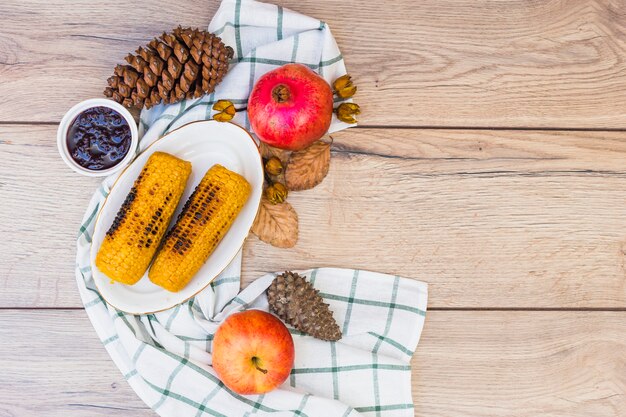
[(203, 144)]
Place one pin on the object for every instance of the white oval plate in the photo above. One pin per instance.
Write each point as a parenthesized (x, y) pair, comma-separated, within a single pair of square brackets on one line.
[(204, 144)]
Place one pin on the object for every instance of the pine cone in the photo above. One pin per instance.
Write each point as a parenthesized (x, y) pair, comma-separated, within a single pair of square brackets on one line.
[(297, 302), (184, 64)]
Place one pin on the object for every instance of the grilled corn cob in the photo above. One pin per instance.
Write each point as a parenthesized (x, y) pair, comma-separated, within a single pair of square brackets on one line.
[(205, 219), (133, 238)]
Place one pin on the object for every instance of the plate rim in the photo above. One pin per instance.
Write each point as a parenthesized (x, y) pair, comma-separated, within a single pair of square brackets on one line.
[(123, 171)]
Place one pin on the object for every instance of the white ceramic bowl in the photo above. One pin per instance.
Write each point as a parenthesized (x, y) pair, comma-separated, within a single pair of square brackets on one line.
[(69, 118)]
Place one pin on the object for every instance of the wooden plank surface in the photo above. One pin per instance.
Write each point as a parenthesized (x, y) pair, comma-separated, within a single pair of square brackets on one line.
[(488, 218), (495, 363), (428, 63), (53, 364), (517, 232), (487, 364)]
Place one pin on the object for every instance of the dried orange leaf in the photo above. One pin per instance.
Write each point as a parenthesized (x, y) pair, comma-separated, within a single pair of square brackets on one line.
[(276, 224), (308, 167), (268, 152)]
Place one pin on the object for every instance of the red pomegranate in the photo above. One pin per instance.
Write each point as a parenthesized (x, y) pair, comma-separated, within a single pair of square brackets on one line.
[(290, 107)]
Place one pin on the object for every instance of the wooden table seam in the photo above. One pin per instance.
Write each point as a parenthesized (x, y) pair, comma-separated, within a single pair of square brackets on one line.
[(401, 127)]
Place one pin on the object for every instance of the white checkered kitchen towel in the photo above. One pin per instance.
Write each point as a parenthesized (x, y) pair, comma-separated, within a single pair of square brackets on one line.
[(166, 356)]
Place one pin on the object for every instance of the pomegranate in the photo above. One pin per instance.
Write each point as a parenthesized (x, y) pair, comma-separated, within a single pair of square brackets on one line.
[(290, 107)]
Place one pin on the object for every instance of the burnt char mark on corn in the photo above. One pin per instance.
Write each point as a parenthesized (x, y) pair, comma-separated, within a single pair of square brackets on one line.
[(205, 219), (141, 222), (151, 229), (126, 205), (124, 210), (174, 230), (195, 207)]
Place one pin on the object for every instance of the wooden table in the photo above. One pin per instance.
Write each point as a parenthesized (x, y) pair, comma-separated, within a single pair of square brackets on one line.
[(490, 163)]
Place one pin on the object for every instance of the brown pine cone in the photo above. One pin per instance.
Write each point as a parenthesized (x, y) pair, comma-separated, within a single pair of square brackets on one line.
[(292, 298), (183, 64)]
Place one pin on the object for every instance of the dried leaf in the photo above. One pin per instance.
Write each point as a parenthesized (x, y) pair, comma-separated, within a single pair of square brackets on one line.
[(276, 224), (308, 167), (268, 151)]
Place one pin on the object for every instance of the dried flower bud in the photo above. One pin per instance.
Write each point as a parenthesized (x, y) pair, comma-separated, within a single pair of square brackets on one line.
[(226, 111), (273, 166), (344, 87), (347, 111), (276, 193)]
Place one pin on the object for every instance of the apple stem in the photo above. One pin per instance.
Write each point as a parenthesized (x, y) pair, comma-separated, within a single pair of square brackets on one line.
[(281, 93), (255, 361)]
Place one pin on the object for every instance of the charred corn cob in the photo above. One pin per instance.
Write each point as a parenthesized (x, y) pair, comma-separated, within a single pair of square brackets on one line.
[(133, 238), (205, 219)]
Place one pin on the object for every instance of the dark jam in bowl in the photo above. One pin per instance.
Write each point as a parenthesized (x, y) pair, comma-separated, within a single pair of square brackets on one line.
[(98, 138)]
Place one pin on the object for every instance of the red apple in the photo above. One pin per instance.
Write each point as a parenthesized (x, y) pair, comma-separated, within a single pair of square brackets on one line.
[(290, 107), (252, 352)]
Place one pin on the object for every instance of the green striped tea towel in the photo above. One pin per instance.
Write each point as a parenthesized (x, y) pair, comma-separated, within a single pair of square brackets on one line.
[(166, 356)]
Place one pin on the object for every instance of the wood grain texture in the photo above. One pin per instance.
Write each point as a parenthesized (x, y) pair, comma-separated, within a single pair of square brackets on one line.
[(42, 205), (54, 365), (488, 219), (491, 219), (474, 63), (486, 364), (506, 219), (494, 364)]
